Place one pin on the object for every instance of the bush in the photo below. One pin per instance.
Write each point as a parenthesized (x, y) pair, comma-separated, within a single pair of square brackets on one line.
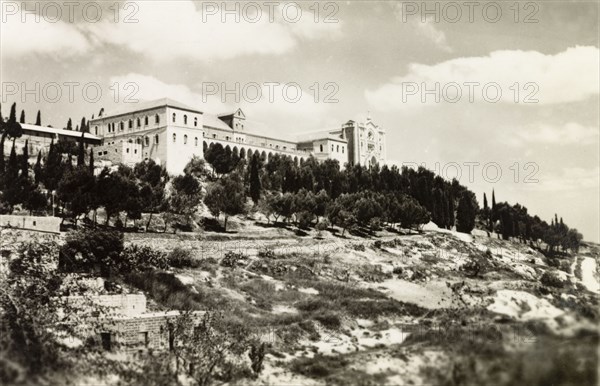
[(304, 219), (550, 279), (136, 258), (323, 225), (329, 320), (359, 247), (319, 366), (92, 251), (231, 259), (375, 224), (182, 258), (267, 253)]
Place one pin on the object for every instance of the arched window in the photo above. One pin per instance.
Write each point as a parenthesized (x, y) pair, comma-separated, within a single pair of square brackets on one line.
[(185, 119), (174, 137), (146, 120), (96, 130), (195, 122), (156, 119), (147, 141), (139, 122), (130, 124), (156, 139), (174, 116), (196, 141), (185, 139), (122, 124), (321, 148)]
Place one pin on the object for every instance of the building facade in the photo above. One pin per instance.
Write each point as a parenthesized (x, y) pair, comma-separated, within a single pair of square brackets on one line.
[(171, 133)]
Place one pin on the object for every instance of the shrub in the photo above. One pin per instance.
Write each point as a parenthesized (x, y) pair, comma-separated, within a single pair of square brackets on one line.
[(319, 366), (359, 247), (92, 251), (267, 253), (323, 225), (377, 244), (375, 224), (329, 320), (136, 258), (231, 259), (550, 279), (257, 355), (304, 219), (471, 268), (182, 258)]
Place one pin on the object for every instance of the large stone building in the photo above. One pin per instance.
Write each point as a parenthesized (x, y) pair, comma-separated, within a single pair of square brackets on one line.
[(171, 133)]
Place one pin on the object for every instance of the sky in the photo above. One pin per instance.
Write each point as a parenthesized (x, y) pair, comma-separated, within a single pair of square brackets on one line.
[(501, 95)]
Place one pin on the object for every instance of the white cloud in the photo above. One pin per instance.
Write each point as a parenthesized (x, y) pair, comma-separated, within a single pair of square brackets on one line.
[(425, 28), (266, 109), (429, 31), (551, 79), (167, 31), (44, 37), (570, 133), (150, 88)]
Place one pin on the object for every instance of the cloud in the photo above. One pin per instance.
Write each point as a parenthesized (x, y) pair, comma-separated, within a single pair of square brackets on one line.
[(44, 37), (271, 110), (168, 31), (425, 28), (150, 88), (570, 133), (506, 76)]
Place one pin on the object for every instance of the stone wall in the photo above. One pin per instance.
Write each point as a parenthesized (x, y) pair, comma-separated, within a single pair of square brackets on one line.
[(35, 223)]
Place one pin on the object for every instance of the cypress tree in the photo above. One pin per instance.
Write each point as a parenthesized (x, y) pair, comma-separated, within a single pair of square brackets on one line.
[(25, 161), (493, 200), (38, 119), (37, 169), (91, 161), (81, 153), (254, 179), (69, 164), (13, 113), (2, 153), (69, 124), (83, 125), (12, 169), (465, 213), (1, 121), (12, 128), (485, 203), (22, 120)]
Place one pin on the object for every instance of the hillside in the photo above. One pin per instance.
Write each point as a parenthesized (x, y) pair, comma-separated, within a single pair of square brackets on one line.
[(438, 307)]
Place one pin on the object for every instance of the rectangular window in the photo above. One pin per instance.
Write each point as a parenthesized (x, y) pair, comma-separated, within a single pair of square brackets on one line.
[(34, 223), (144, 338), (127, 150)]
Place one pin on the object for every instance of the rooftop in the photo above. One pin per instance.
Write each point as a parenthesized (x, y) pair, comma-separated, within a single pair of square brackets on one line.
[(52, 130), (129, 108)]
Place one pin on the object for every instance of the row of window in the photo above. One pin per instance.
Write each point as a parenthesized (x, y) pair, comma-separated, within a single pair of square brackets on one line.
[(185, 119), (185, 139), (112, 129), (335, 148)]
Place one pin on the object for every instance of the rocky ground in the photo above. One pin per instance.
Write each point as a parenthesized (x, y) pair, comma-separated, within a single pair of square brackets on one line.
[(391, 308), (437, 307)]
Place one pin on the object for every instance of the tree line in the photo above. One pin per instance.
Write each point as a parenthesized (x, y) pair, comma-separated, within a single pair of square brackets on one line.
[(514, 221)]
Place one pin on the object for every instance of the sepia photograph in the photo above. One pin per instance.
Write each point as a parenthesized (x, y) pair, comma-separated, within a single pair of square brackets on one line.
[(299, 193)]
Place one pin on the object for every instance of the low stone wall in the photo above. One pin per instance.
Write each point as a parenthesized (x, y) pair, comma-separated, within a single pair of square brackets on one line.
[(35, 223)]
